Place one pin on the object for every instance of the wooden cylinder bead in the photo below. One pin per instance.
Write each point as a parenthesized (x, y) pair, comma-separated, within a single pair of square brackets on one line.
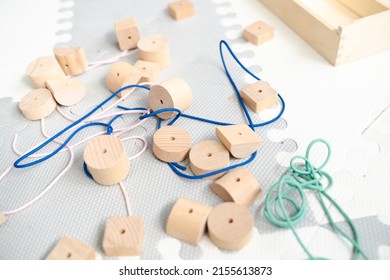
[(154, 48), (37, 104), (122, 74), (230, 226), (208, 156), (3, 218), (173, 93), (71, 60), (187, 220), (239, 186), (171, 143), (67, 92), (42, 69), (106, 159)]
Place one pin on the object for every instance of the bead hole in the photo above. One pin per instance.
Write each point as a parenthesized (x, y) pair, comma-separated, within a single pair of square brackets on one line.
[(117, 74), (190, 210), (123, 231), (69, 255), (209, 154), (260, 90), (67, 65), (240, 133), (104, 151), (173, 138), (238, 179), (129, 37), (230, 221), (161, 102)]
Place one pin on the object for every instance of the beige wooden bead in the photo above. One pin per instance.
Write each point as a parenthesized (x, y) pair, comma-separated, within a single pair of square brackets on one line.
[(239, 186), (208, 156), (37, 104), (171, 143), (181, 9), (122, 74), (150, 70), (127, 33), (71, 60), (173, 93), (259, 96), (258, 33), (106, 159), (154, 48), (239, 139), (42, 69), (67, 92), (3, 218), (123, 236), (230, 226), (71, 249), (187, 220)]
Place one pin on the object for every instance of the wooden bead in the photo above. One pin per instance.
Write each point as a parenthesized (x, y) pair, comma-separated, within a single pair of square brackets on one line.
[(42, 69), (259, 96), (123, 236), (106, 159), (239, 186), (150, 70), (173, 93), (187, 220), (208, 156), (154, 48), (127, 33), (181, 9), (122, 74), (71, 60), (3, 218), (71, 249), (230, 226), (239, 139), (171, 143), (37, 104), (67, 92), (258, 33)]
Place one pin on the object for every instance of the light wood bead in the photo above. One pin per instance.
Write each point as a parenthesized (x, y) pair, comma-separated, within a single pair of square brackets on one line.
[(37, 104), (154, 48), (173, 93), (239, 186), (239, 139), (122, 74), (171, 143), (3, 218), (71, 60), (181, 9), (67, 92), (258, 33), (42, 69), (71, 249), (123, 236), (187, 220), (127, 33), (208, 156), (230, 226), (150, 70), (259, 96), (106, 159)]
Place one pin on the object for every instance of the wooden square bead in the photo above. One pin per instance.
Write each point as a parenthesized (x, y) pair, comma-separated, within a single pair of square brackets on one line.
[(71, 249), (258, 33), (123, 236), (71, 60), (154, 48), (37, 104), (42, 69), (122, 74), (187, 220), (239, 139), (259, 96), (127, 34), (67, 92), (150, 70), (3, 218), (181, 9)]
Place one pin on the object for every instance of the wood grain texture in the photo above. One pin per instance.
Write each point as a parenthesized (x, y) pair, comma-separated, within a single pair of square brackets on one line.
[(181, 9), (258, 33), (150, 71), (37, 104), (155, 48), (71, 249), (67, 92), (122, 74), (42, 69), (259, 96), (127, 33), (364, 7), (72, 60)]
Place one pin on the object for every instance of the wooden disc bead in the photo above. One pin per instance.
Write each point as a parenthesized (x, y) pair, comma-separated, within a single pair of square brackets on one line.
[(154, 48), (42, 69), (106, 159), (230, 226), (122, 74), (3, 218), (171, 143), (67, 92), (187, 220), (71, 60), (37, 104), (71, 249), (173, 93)]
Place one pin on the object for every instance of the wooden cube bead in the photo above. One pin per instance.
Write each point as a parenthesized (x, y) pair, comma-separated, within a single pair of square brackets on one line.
[(67, 92), (154, 48), (71, 249), (181, 9), (150, 71), (258, 33), (122, 74), (259, 96), (239, 139), (187, 220), (42, 69), (3, 218), (127, 33), (71, 60), (37, 104), (123, 236)]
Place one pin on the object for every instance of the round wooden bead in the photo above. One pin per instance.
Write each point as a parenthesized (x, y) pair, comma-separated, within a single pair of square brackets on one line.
[(106, 159), (42, 69), (122, 74), (187, 220), (37, 104), (67, 92), (154, 48), (208, 156), (230, 226), (173, 93), (171, 143)]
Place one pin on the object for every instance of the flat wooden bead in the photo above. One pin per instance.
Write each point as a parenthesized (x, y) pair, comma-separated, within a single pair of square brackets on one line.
[(150, 70), (171, 143), (239, 186), (3, 218), (208, 156), (122, 74), (67, 92), (187, 220), (259, 96), (239, 139), (71, 60), (127, 33), (258, 33), (123, 236), (154, 48), (71, 249), (42, 69), (181, 9), (230, 226), (37, 104), (106, 159), (173, 93)]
